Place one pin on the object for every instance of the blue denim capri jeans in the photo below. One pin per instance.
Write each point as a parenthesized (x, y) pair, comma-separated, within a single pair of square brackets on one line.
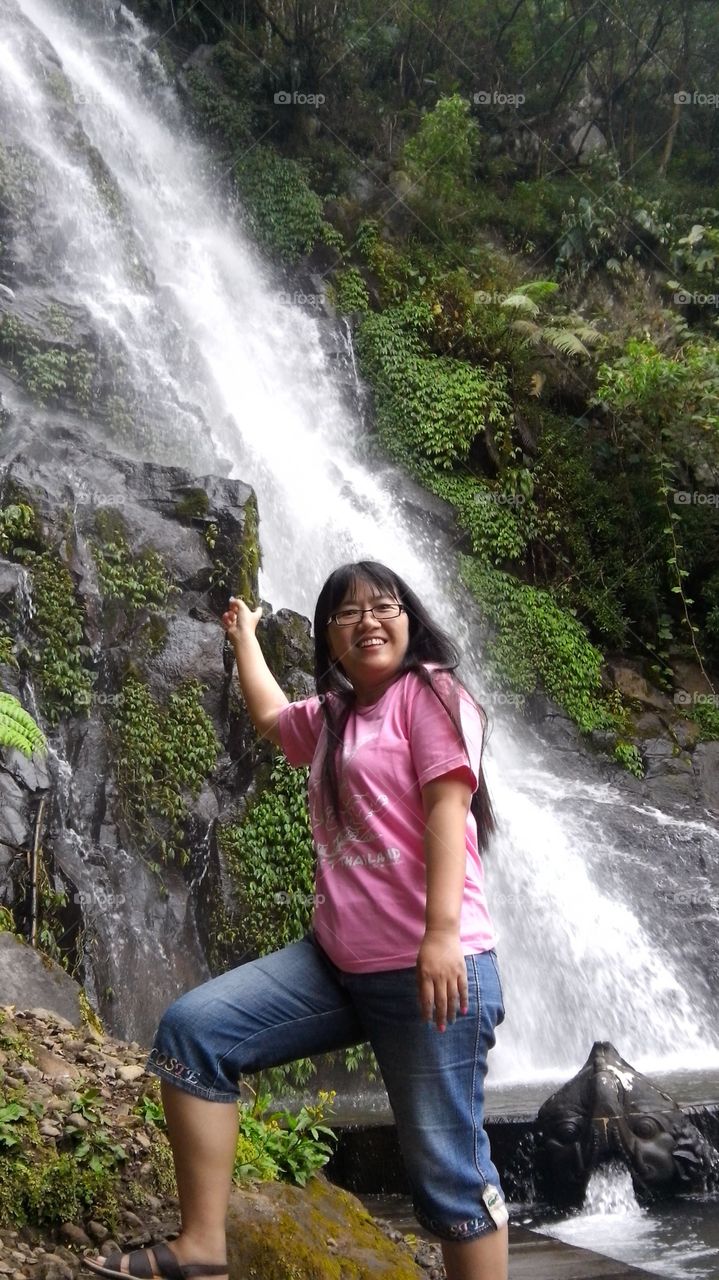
[(295, 1003)]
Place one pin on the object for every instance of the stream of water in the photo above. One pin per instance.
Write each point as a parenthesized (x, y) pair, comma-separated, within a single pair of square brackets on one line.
[(224, 374)]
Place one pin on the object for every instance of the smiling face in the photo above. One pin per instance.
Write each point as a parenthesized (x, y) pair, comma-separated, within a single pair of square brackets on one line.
[(370, 651)]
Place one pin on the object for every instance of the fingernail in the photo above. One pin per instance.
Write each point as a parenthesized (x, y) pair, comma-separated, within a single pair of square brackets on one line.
[(464, 1009), (441, 1027)]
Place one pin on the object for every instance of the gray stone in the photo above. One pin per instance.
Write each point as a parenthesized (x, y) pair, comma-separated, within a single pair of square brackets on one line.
[(75, 1235), (28, 979), (15, 811), (706, 766), (586, 141)]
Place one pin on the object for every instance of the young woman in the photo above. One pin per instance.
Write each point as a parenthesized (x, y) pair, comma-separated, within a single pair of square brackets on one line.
[(401, 948)]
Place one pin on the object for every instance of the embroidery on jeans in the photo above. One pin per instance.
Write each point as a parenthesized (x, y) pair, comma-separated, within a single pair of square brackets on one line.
[(174, 1067), (455, 1231)]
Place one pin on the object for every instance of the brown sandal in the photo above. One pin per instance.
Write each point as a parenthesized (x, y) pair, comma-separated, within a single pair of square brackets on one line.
[(157, 1262)]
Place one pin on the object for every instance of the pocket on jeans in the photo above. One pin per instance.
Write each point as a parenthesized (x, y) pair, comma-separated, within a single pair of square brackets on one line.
[(495, 962)]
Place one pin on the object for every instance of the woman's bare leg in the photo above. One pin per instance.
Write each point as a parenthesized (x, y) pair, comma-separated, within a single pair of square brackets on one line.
[(203, 1136), (485, 1258)]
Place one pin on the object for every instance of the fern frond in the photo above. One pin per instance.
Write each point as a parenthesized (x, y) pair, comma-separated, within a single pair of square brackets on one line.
[(537, 290), (565, 341), (520, 302), (17, 727), (528, 329), (587, 333)]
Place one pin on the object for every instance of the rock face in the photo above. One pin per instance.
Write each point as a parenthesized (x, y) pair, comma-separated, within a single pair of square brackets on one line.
[(127, 903), (29, 979)]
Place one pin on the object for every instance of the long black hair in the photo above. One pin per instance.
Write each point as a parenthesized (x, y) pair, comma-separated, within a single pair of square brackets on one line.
[(427, 643)]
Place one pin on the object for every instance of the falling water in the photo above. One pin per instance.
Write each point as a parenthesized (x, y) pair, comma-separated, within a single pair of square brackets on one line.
[(220, 373)]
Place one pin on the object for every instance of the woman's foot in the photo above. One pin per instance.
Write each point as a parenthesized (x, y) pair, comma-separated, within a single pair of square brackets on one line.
[(182, 1261)]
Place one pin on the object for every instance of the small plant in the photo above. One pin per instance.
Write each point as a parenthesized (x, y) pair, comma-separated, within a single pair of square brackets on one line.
[(18, 526), (281, 1145), (629, 757), (140, 580), (270, 856), (12, 1116), (151, 1110), (162, 753)]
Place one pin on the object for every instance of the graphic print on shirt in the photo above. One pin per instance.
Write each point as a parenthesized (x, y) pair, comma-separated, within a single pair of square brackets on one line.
[(357, 810)]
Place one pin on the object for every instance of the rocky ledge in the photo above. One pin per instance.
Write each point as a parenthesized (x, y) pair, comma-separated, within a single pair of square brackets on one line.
[(85, 1164)]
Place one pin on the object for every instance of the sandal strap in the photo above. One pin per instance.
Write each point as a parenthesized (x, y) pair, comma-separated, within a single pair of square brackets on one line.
[(140, 1266), (171, 1269), (112, 1261)]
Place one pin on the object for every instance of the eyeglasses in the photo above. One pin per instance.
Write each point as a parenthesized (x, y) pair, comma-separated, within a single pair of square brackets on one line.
[(350, 616)]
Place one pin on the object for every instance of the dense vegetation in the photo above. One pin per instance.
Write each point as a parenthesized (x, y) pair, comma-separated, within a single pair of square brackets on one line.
[(515, 205)]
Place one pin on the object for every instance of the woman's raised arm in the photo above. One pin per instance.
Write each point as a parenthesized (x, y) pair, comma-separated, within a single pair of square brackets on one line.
[(260, 690)]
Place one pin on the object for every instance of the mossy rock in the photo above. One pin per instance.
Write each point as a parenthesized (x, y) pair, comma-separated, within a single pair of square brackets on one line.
[(318, 1232)]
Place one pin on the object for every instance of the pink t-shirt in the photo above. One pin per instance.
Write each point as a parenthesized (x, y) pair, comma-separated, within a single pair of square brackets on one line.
[(370, 884)]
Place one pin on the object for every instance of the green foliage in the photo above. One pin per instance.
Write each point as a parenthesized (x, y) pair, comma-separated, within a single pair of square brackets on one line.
[(284, 214), (224, 115), (19, 179), (12, 1115), (151, 1110), (18, 526), (244, 581), (46, 371), (695, 256), (280, 1145), (7, 646), (610, 227), (17, 1043), (428, 407), (163, 753), (538, 644), (93, 1145), (193, 503), (140, 580), (350, 291), (629, 756), (38, 1185), (270, 856), (499, 522), (58, 623), (706, 714), (17, 727), (7, 925), (51, 1189), (439, 159)]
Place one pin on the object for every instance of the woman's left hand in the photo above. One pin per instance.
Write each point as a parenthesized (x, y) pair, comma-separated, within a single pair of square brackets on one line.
[(441, 976)]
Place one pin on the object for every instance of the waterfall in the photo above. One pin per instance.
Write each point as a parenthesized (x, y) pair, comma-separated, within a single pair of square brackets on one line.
[(223, 374)]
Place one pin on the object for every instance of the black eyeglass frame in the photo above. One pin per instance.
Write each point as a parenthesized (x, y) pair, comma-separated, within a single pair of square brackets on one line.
[(353, 623)]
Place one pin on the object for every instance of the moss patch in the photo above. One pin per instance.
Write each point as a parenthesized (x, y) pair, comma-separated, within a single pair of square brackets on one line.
[(318, 1233)]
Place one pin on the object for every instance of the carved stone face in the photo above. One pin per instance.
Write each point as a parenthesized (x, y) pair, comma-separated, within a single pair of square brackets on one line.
[(608, 1111)]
